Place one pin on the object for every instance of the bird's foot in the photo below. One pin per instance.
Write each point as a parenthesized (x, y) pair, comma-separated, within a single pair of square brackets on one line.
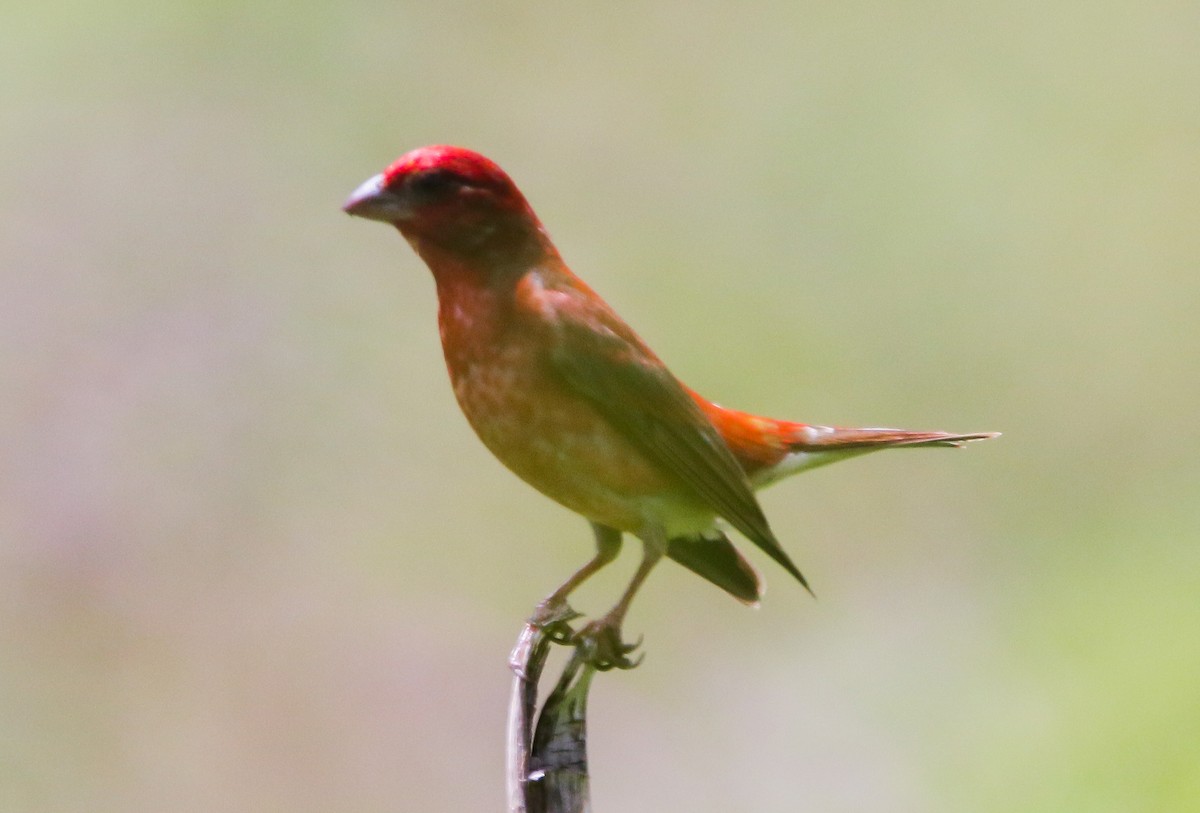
[(600, 644), (553, 617)]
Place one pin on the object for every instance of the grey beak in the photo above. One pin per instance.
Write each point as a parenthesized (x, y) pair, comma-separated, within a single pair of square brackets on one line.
[(374, 201)]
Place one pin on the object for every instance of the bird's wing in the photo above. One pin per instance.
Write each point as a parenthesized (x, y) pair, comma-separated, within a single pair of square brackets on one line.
[(599, 357)]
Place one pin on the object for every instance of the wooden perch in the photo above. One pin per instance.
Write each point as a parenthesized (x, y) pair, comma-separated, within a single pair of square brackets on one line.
[(547, 763)]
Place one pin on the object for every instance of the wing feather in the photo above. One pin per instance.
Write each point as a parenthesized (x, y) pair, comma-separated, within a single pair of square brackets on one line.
[(600, 358)]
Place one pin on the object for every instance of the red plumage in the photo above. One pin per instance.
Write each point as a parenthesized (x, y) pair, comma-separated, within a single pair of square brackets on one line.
[(567, 396)]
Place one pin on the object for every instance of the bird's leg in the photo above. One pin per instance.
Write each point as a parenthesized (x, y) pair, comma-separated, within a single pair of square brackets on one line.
[(600, 640), (552, 614)]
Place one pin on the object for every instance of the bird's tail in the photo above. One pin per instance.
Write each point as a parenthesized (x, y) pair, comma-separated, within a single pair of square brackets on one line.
[(816, 438), (769, 449), (714, 557)]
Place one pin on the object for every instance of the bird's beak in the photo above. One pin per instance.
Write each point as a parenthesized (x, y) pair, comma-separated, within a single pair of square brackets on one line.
[(374, 201)]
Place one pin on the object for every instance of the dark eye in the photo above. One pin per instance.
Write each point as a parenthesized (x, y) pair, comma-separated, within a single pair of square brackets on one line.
[(435, 182)]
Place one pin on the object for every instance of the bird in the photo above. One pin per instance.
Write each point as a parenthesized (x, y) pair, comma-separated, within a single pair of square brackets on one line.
[(567, 396)]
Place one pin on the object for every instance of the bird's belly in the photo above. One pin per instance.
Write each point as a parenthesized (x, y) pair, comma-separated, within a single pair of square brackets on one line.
[(557, 442)]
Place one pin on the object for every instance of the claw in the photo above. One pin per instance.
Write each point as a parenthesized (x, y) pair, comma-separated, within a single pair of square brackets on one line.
[(553, 618), (601, 646)]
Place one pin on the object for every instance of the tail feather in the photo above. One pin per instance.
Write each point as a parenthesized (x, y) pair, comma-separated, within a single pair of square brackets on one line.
[(715, 558), (806, 447), (829, 438), (768, 449)]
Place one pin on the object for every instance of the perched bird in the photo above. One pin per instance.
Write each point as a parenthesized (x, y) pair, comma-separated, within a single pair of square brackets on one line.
[(567, 396)]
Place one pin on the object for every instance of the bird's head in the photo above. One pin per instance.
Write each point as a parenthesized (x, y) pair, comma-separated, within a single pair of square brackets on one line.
[(451, 201)]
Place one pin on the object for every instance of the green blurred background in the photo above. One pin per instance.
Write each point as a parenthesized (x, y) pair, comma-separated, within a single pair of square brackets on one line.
[(253, 559)]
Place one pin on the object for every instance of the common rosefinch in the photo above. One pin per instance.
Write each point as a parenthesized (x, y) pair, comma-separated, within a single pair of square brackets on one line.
[(567, 396)]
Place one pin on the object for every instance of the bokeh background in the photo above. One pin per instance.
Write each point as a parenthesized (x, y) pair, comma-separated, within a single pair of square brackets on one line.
[(252, 558)]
